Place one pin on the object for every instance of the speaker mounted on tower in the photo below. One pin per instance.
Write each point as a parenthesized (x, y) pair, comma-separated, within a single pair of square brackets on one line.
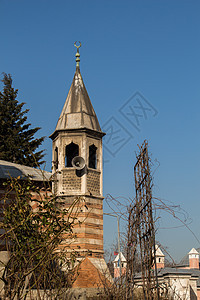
[(78, 163)]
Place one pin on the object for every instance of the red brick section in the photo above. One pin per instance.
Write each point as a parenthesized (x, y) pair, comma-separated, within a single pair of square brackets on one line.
[(89, 225), (88, 276), (87, 246), (198, 293), (87, 242), (89, 236), (159, 266), (194, 263), (117, 272)]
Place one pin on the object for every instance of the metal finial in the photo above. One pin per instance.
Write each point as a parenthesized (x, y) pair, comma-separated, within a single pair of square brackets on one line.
[(77, 53)]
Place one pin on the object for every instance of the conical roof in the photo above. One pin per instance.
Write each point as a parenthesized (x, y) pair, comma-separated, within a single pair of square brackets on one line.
[(185, 260), (122, 257), (193, 251), (78, 111), (159, 252)]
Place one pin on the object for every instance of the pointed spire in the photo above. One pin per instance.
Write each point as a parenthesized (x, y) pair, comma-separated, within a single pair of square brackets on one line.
[(78, 111), (77, 54)]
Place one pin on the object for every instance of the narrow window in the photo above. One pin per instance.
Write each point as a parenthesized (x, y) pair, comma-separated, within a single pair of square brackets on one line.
[(56, 158), (72, 150), (93, 157)]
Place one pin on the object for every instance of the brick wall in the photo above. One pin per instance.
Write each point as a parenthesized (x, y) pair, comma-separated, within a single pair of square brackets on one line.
[(88, 226)]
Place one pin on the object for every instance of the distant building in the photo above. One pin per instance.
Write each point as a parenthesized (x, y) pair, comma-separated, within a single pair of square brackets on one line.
[(190, 260), (116, 264), (181, 281), (160, 258)]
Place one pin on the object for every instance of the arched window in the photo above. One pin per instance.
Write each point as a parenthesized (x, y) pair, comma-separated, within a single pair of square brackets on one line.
[(92, 157), (71, 151), (56, 158)]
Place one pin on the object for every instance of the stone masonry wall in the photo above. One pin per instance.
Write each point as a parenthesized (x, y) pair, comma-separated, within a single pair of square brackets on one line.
[(70, 181), (93, 181)]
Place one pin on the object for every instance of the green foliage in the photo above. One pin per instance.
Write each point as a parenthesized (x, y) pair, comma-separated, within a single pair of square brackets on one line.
[(33, 237), (17, 142)]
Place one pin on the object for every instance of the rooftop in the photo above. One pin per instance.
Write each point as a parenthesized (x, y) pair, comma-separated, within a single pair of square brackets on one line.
[(9, 169), (176, 272)]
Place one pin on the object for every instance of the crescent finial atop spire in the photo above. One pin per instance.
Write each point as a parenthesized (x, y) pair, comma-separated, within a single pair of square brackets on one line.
[(77, 54)]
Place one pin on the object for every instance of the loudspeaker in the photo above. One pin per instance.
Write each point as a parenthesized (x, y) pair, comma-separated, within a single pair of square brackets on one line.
[(78, 162)]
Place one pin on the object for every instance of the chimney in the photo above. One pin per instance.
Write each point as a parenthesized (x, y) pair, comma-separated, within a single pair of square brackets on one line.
[(193, 259), (160, 258), (116, 263)]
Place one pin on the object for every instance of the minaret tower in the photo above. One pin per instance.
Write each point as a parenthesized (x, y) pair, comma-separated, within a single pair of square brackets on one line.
[(78, 134)]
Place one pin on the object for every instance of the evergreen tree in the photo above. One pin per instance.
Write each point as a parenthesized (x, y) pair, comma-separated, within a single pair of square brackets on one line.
[(17, 142)]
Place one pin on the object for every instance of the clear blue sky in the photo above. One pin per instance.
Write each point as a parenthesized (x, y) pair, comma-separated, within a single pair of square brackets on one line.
[(151, 47)]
